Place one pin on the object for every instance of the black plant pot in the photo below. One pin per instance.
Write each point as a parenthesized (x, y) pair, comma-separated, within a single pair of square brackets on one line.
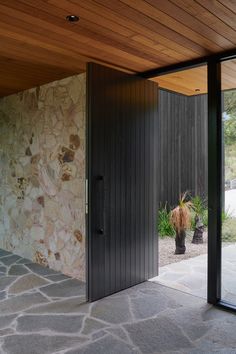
[(180, 242)]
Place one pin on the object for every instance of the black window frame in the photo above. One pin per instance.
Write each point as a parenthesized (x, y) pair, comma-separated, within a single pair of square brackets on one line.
[(215, 170)]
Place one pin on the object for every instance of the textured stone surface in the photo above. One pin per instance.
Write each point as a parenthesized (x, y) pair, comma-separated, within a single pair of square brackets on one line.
[(42, 169), (4, 253), (2, 295), (67, 288), (41, 270), (3, 269), (27, 282), (24, 261), (56, 323), (18, 270), (5, 321), (9, 259), (148, 306), (5, 282), (147, 318), (38, 344), (190, 275), (107, 345), (118, 332), (119, 311), (20, 303), (92, 325), (57, 277), (65, 306), (151, 334)]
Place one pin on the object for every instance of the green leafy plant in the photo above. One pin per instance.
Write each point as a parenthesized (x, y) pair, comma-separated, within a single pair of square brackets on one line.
[(199, 207), (198, 213), (226, 215), (164, 226)]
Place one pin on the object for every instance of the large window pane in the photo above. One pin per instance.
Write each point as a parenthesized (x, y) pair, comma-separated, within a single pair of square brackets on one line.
[(228, 69)]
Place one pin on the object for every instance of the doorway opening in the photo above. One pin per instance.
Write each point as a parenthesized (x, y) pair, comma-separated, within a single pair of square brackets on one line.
[(183, 161)]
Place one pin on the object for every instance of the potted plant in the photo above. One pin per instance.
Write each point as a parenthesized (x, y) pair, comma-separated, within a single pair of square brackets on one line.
[(199, 208), (180, 218)]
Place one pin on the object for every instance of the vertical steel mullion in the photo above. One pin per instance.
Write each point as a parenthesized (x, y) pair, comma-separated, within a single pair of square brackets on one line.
[(214, 181)]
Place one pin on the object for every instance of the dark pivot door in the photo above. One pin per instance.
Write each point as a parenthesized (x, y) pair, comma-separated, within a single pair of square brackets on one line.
[(122, 180)]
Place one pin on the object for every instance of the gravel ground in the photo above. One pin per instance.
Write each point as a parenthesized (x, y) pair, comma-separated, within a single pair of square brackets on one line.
[(167, 249)]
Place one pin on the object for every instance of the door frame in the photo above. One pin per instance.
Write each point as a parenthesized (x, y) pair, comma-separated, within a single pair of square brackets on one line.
[(213, 63), (215, 156)]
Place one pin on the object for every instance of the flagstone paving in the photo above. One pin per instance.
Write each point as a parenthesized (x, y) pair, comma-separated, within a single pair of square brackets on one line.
[(47, 316), (190, 275)]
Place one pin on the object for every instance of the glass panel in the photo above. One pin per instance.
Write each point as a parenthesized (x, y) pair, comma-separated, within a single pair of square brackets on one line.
[(228, 69), (182, 153)]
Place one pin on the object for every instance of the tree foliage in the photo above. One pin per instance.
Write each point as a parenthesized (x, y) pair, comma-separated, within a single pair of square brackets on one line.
[(230, 122)]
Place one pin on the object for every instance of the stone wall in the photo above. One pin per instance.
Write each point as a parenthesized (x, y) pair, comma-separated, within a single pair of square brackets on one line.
[(42, 174)]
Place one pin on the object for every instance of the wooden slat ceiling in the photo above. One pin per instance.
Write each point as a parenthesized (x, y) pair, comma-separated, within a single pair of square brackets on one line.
[(38, 45), (194, 81)]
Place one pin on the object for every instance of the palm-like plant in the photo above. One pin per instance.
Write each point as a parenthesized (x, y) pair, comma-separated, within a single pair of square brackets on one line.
[(199, 208), (180, 218)]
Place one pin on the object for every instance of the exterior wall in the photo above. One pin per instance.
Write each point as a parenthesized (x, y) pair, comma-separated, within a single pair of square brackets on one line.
[(182, 146), (42, 175)]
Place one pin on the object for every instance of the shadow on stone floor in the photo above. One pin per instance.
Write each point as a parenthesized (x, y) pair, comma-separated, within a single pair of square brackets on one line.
[(43, 312)]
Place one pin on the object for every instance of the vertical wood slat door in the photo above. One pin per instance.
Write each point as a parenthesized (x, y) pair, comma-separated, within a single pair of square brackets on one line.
[(122, 180)]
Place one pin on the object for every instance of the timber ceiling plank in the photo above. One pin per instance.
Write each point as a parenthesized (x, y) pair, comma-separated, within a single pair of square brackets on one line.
[(156, 27), (154, 36), (192, 22), (157, 15), (198, 11), (38, 45), (230, 4), (88, 44)]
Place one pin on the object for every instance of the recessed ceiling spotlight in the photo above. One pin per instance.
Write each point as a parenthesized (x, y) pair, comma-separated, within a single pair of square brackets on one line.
[(72, 18), (197, 90)]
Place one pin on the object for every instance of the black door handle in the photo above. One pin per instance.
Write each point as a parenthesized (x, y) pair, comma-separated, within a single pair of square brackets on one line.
[(100, 201)]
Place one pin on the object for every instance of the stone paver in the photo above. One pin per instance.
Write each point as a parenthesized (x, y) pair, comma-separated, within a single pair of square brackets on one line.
[(155, 333), (3, 269), (108, 344), (190, 275), (27, 282), (4, 253), (38, 269), (6, 281), (66, 288), (18, 270), (91, 325), (23, 261), (119, 310), (5, 321), (145, 319), (8, 260), (20, 303), (2, 295), (57, 277), (55, 323), (73, 305), (38, 344), (148, 306)]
